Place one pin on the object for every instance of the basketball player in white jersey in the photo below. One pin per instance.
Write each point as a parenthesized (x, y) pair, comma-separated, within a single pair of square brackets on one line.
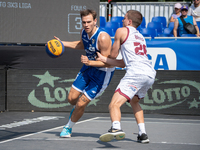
[(138, 79)]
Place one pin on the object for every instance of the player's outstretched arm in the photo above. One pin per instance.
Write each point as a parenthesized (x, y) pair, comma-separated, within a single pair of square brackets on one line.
[(73, 44), (110, 61)]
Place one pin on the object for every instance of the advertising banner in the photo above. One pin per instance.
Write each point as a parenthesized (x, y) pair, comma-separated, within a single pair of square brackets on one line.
[(174, 54), (174, 92), (164, 54)]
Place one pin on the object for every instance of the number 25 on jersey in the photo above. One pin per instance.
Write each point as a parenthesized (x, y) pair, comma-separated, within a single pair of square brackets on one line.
[(140, 49)]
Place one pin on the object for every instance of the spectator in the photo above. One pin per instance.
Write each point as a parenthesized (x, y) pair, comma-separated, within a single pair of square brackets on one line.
[(179, 25), (177, 8), (194, 10)]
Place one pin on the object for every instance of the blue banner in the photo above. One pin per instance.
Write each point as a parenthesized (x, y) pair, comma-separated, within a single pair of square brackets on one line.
[(174, 54)]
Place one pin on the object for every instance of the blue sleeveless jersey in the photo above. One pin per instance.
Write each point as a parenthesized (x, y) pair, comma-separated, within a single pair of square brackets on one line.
[(92, 81), (90, 44)]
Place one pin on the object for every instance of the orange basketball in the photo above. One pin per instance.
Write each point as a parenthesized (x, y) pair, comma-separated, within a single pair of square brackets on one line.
[(55, 48)]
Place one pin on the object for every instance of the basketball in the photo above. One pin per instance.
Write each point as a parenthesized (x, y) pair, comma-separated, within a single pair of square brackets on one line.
[(55, 48)]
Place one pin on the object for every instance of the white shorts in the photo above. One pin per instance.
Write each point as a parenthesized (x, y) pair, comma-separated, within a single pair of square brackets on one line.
[(135, 85)]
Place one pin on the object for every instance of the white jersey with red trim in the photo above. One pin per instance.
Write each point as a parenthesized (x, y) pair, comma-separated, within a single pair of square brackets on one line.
[(134, 54)]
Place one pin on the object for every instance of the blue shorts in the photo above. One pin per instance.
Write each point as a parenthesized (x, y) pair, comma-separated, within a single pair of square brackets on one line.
[(93, 81)]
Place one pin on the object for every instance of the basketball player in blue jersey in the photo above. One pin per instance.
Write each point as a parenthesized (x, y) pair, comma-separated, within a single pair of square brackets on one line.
[(94, 76)]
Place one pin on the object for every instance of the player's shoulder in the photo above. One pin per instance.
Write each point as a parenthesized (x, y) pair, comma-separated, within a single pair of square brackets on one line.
[(122, 29), (103, 35)]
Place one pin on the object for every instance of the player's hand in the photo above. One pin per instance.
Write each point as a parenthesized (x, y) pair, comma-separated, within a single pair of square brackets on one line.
[(57, 38), (85, 60), (101, 57)]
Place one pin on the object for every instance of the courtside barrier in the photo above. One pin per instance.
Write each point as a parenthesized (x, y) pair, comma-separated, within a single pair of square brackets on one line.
[(35, 81), (174, 92)]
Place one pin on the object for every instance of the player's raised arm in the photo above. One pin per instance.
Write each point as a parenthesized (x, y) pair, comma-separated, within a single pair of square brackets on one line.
[(120, 37)]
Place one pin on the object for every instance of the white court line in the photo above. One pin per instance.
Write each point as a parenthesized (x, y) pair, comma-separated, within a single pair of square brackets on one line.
[(44, 131), (129, 118), (146, 122), (91, 140), (95, 140), (175, 143)]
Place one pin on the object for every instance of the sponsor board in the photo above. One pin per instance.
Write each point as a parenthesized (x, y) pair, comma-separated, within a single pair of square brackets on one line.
[(162, 58), (174, 92), (48, 91), (54, 97)]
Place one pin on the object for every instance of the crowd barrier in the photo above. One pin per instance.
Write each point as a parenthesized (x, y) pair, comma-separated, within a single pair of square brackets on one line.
[(148, 9)]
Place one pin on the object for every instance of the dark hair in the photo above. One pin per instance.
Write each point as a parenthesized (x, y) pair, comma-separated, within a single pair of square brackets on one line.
[(135, 16), (88, 12)]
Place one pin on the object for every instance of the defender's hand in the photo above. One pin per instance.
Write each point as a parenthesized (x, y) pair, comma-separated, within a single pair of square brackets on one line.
[(101, 57)]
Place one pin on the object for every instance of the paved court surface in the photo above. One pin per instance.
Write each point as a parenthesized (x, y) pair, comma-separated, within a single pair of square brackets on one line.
[(40, 131)]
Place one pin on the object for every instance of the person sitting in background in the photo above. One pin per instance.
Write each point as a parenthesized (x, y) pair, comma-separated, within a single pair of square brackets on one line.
[(194, 10), (178, 24), (177, 8)]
